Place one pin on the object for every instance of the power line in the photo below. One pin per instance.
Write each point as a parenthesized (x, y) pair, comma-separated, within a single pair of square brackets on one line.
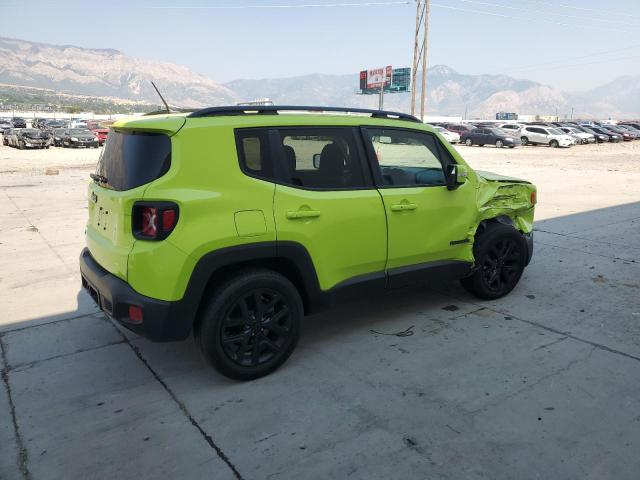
[(282, 6), (568, 59), (547, 12), (608, 11), (528, 19)]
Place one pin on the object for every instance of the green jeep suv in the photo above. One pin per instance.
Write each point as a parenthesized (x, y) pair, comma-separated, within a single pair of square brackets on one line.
[(235, 222)]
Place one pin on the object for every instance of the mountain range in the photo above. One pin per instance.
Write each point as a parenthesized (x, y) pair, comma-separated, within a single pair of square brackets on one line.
[(107, 73)]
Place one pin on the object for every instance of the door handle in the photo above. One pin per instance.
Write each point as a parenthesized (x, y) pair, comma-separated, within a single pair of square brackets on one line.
[(293, 215), (403, 207)]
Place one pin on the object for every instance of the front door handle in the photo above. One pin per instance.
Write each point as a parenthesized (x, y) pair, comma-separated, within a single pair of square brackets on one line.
[(293, 215), (403, 207)]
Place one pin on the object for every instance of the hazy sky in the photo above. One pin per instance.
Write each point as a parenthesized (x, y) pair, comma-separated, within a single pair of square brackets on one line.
[(570, 44)]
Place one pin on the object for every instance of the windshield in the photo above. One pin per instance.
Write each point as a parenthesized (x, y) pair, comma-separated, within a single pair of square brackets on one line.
[(79, 131), (496, 131), (555, 131), (440, 129)]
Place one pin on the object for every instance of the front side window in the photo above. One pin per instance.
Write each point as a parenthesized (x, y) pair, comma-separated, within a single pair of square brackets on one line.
[(407, 158), (321, 158)]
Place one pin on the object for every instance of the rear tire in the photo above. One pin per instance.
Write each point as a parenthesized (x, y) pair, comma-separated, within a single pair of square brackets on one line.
[(468, 142), (250, 325), (500, 253), (524, 140), (499, 144)]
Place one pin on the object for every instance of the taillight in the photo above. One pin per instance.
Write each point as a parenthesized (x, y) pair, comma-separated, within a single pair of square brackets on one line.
[(153, 220), (534, 197)]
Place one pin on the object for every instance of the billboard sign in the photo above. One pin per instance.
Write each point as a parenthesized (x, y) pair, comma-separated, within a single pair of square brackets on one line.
[(393, 80), (506, 116), (379, 77)]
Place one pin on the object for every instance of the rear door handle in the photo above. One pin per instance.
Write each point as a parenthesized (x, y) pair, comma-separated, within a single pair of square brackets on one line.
[(293, 215), (403, 207)]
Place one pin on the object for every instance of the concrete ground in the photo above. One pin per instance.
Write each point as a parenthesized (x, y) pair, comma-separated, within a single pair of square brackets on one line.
[(543, 384)]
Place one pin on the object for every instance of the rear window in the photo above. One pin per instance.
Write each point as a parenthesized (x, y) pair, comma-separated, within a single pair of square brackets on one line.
[(132, 159)]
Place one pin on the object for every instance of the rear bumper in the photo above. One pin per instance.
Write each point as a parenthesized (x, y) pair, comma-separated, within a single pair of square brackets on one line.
[(528, 237), (162, 321)]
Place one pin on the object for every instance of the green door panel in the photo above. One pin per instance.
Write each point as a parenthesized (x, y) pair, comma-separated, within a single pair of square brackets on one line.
[(423, 221), (345, 232)]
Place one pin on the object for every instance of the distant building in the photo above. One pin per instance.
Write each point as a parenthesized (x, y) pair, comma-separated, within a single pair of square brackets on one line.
[(255, 103)]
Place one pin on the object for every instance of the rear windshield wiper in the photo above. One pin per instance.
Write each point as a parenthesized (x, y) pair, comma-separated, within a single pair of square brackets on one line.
[(98, 178)]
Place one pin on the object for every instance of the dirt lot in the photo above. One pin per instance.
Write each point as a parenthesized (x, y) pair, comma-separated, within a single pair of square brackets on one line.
[(541, 384)]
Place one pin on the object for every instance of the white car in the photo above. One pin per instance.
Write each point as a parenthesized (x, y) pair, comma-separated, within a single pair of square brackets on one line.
[(580, 136), (511, 127), (451, 137), (541, 135)]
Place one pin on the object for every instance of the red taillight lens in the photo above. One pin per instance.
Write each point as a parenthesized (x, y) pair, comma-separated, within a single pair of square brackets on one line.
[(153, 220), (150, 222), (135, 314), (534, 198), (168, 220)]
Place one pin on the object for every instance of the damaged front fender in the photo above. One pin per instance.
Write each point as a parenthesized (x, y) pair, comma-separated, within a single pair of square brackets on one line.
[(499, 196)]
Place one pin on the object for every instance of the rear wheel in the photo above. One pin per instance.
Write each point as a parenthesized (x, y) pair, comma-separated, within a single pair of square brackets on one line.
[(499, 144), (500, 257), (524, 140), (468, 142), (250, 325), (554, 144)]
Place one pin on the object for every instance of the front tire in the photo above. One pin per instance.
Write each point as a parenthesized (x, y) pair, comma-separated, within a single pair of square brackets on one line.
[(554, 144), (499, 144), (500, 253), (524, 140), (468, 142), (250, 324)]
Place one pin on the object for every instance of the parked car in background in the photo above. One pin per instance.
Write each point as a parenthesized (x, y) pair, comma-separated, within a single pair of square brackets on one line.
[(8, 135), (52, 124), (488, 136), (5, 124), (79, 137), (102, 133), (580, 136), (613, 136), (600, 137), (78, 124), (539, 135), (512, 128), (459, 128), (57, 135), (635, 125), (19, 122), (451, 137), (627, 135), (32, 138)]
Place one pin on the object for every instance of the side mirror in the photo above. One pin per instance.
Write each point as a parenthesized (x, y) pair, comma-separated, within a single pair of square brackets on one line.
[(316, 160), (456, 175)]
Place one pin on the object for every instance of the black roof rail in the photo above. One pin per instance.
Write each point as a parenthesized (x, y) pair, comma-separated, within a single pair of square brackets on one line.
[(274, 109)]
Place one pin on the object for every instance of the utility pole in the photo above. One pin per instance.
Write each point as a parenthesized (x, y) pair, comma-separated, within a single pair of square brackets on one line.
[(381, 96), (420, 55)]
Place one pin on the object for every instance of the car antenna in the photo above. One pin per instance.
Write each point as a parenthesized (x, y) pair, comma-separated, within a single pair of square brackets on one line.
[(161, 97)]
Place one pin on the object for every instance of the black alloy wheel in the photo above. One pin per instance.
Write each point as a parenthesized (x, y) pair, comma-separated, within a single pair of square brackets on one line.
[(256, 327), (500, 253), (250, 324), (501, 264)]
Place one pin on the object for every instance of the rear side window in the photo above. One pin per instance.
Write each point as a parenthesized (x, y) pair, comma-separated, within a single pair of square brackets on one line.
[(254, 152), (131, 159)]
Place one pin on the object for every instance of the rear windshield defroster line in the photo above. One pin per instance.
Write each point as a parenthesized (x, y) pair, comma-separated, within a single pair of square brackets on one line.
[(131, 159)]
